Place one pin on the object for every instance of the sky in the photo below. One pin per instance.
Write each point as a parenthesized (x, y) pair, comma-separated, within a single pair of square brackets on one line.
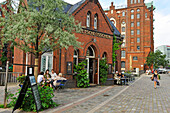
[(161, 16)]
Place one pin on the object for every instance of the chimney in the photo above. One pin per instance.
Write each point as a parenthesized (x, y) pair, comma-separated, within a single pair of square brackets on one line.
[(111, 3)]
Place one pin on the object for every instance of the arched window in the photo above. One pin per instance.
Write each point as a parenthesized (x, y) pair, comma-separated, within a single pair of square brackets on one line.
[(123, 22), (95, 21), (104, 56), (88, 19), (132, 11), (90, 52), (138, 10), (75, 57)]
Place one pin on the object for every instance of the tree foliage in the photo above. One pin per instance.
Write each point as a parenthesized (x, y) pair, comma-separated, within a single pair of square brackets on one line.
[(39, 26), (157, 59)]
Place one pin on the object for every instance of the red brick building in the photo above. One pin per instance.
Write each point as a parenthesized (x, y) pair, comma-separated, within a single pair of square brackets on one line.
[(96, 36), (135, 22)]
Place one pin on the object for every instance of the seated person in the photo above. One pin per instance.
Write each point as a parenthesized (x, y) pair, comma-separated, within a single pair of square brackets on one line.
[(119, 75), (53, 75), (48, 79), (41, 77), (61, 78)]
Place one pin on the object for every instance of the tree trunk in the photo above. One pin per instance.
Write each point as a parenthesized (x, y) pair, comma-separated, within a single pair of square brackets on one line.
[(36, 69)]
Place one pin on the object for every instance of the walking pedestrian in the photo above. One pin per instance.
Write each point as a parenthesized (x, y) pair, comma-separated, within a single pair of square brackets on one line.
[(155, 78)]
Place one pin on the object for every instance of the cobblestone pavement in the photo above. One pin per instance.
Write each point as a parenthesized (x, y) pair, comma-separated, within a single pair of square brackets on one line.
[(139, 97)]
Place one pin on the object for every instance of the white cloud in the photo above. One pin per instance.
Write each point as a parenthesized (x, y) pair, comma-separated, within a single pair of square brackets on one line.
[(72, 1), (161, 32)]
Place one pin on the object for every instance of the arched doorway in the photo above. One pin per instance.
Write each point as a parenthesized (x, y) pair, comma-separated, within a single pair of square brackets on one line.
[(92, 65)]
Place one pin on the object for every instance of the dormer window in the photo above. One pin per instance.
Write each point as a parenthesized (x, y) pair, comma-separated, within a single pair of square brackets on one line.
[(88, 19), (95, 21)]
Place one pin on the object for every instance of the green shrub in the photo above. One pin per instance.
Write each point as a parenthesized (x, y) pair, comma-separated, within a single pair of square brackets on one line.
[(103, 70), (81, 77), (21, 79), (28, 104)]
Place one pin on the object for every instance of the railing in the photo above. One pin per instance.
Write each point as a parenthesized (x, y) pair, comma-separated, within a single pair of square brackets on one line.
[(12, 77)]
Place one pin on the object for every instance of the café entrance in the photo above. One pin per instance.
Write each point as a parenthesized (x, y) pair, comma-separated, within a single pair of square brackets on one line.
[(92, 65)]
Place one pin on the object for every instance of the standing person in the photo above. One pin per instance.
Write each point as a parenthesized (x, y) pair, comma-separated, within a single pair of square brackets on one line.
[(155, 78)]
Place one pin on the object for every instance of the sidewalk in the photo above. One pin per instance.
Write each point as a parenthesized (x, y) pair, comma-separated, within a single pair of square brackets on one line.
[(69, 96)]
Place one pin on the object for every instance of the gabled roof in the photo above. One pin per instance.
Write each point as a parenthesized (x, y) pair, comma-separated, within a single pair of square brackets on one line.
[(116, 32), (75, 6), (72, 8)]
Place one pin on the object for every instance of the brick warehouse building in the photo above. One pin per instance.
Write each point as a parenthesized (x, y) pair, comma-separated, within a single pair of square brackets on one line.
[(135, 22), (96, 36)]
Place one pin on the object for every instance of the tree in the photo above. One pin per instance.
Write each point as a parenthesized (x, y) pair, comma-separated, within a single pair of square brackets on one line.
[(157, 59), (38, 27)]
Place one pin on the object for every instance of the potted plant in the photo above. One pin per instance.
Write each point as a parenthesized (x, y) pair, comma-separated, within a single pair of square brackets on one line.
[(21, 79)]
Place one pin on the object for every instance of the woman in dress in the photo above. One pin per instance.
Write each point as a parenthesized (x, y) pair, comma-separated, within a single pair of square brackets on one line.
[(155, 78)]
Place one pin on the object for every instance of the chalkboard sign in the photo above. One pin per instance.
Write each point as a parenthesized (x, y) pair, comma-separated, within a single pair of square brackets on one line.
[(29, 82), (35, 92), (22, 94)]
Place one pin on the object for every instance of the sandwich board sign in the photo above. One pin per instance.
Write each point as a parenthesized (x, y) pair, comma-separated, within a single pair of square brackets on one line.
[(29, 82)]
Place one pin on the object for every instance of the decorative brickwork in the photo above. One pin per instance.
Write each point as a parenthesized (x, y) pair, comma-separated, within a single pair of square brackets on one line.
[(137, 21)]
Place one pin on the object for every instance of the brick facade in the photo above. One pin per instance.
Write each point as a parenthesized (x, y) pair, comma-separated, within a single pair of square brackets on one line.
[(100, 40), (135, 22)]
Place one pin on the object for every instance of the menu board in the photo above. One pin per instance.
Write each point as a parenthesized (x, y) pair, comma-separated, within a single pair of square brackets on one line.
[(29, 82)]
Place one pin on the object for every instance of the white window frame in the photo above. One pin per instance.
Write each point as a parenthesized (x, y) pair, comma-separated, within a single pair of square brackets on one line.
[(138, 23), (138, 15), (95, 21), (132, 16), (88, 19), (47, 55), (123, 54)]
